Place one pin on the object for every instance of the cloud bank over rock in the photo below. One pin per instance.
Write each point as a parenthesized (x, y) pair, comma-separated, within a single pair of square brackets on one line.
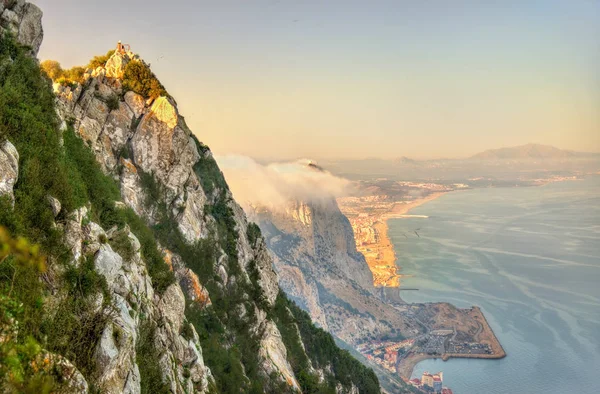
[(275, 185)]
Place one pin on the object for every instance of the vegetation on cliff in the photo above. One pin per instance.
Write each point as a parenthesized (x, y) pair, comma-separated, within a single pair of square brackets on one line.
[(71, 175), (59, 164), (139, 78)]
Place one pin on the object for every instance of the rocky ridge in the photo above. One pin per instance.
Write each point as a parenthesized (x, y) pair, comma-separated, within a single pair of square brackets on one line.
[(161, 144)]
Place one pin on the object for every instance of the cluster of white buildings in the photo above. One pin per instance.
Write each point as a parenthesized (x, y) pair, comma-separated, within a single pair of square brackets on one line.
[(431, 382)]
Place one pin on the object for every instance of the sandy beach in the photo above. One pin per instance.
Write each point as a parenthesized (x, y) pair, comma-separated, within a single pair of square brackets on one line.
[(402, 208), (372, 238)]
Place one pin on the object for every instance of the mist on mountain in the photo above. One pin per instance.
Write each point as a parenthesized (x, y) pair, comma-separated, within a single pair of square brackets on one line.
[(274, 185)]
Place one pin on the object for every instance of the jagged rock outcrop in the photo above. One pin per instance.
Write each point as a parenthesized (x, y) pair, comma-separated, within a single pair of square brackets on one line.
[(9, 168), (24, 21), (134, 301)]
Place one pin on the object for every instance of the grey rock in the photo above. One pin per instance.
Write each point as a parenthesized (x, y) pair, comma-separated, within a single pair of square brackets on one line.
[(109, 264), (171, 307), (24, 21), (115, 66), (94, 237), (136, 103), (273, 349), (74, 232), (31, 32), (54, 204), (9, 168)]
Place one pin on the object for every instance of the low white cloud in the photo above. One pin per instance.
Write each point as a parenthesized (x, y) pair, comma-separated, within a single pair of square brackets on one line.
[(275, 184)]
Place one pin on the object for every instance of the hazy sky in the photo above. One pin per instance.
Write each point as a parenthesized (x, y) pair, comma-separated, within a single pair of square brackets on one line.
[(341, 79)]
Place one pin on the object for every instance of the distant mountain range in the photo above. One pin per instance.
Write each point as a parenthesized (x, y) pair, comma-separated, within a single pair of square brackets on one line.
[(506, 163), (529, 151)]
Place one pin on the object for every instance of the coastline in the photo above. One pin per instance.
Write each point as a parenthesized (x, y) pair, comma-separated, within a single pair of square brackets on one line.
[(400, 209), (406, 366), (385, 245), (378, 249)]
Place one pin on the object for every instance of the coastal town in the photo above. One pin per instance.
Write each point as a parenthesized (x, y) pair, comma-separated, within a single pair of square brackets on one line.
[(449, 332), (368, 216), (431, 383), (446, 331)]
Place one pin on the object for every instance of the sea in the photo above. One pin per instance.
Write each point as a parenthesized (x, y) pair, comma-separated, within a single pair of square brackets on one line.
[(530, 258)]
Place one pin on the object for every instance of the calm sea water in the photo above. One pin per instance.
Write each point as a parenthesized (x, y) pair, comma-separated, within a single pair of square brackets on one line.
[(530, 258)]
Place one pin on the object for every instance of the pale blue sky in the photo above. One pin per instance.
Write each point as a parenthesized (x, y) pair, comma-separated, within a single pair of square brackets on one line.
[(340, 79)]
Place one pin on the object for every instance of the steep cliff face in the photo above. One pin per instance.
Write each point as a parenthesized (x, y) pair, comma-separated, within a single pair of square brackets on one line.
[(153, 280), (143, 141), (318, 266)]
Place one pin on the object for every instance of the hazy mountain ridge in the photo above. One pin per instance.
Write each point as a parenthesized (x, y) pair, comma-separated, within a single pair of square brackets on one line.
[(520, 163), (529, 151)]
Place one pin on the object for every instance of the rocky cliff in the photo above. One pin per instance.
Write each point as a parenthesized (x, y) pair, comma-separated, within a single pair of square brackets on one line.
[(24, 21), (146, 140), (152, 279), (319, 267)]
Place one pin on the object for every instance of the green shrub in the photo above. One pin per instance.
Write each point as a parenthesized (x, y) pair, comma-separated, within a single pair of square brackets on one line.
[(20, 353), (253, 233), (75, 74), (322, 350), (147, 360), (208, 171), (139, 78), (29, 121), (71, 77), (121, 244), (76, 327), (100, 61), (52, 69), (113, 102)]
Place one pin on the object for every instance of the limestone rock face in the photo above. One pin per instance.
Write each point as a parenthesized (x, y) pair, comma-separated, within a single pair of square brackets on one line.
[(134, 300), (9, 168), (188, 280), (131, 189), (136, 103), (133, 303), (272, 348), (139, 142), (299, 287), (74, 236), (24, 21), (115, 66), (313, 248)]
